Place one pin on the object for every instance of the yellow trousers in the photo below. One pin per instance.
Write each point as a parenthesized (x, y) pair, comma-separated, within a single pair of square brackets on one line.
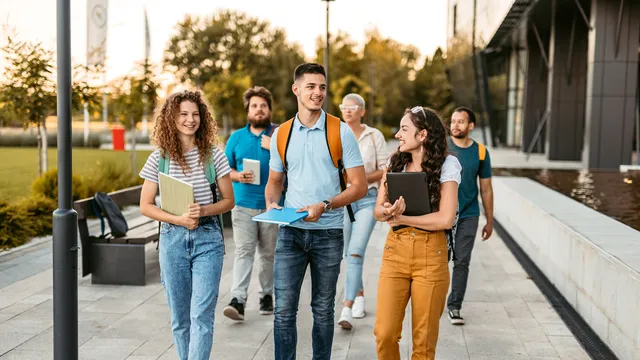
[(414, 266)]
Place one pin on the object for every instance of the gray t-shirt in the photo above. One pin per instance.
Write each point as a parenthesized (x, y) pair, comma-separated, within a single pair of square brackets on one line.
[(195, 176)]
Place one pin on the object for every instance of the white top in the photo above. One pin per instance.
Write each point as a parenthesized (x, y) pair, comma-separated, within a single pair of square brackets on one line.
[(451, 170), (373, 148), (195, 177)]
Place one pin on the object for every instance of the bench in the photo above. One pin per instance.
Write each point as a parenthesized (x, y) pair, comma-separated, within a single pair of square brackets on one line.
[(119, 261)]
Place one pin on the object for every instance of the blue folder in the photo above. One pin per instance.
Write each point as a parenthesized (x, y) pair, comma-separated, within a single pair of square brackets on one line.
[(285, 216)]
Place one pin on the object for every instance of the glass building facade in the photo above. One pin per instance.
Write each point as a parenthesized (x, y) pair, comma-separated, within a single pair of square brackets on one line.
[(550, 76)]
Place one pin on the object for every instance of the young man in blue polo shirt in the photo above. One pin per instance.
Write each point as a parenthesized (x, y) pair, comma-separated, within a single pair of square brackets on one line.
[(476, 163), (251, 142), (313, 185)]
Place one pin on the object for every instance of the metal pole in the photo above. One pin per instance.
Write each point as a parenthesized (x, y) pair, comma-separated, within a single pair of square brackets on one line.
[(326, 61), (371, 108), (637, 127), (105, 110), (65, 219)]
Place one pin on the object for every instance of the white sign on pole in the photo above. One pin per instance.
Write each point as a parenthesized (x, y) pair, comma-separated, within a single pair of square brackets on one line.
[(96, 31)]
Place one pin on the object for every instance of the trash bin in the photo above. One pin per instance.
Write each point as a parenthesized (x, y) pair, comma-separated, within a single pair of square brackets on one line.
[(117, 138)]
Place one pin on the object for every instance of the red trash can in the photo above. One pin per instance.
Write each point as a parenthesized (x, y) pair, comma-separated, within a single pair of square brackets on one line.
[(117, 137)]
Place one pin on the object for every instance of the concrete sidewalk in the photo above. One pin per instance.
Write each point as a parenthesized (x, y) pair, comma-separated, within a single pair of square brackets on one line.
[(507, 316)]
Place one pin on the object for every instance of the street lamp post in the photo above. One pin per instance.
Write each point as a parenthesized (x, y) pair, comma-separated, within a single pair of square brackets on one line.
[(65, 219), (326, 58)]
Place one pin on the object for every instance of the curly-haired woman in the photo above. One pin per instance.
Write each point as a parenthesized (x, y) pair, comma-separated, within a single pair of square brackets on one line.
[(414, 262), (191, 245)]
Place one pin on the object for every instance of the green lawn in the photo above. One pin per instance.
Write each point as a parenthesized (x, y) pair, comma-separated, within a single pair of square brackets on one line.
[(19, 166)]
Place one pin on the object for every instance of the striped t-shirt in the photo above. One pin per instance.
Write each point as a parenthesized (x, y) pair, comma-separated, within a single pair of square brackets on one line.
[(195, 176)]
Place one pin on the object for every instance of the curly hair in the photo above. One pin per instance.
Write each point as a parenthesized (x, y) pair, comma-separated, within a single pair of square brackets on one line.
[(165, 130), (435, 150)]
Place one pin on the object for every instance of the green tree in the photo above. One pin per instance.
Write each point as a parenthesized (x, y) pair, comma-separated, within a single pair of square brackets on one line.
[(432, 87), (230, 42), (224, 93), (27, 90), (135, 96), (345, 66), (392, 64)]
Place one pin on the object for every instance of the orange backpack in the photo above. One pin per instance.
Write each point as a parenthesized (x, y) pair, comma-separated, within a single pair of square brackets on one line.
[(334, 143)]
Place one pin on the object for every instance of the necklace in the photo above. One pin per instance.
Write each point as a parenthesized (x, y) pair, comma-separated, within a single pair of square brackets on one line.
[(414, 167)]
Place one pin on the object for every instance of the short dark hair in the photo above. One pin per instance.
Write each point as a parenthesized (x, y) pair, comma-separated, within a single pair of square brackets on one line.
[(469, 112), (308, 68), (258, 91)]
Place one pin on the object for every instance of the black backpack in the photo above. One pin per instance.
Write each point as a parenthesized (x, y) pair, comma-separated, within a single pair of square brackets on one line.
[(103, 204)]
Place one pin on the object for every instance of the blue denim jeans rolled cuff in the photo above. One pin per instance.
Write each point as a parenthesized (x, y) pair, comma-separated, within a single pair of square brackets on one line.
[(356, 239), (190, 271), (295, 250)]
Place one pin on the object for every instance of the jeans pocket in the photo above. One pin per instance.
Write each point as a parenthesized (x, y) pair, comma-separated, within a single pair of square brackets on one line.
[(166, 228), (334, 233), (208, 227)]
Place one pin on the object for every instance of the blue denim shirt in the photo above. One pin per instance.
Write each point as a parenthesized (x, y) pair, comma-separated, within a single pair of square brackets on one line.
[(312, 177)]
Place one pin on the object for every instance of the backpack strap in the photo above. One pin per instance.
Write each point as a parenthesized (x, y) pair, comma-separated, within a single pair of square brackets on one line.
[(482, 154), (271, 129), (210, 170), (334, 143), (284, 135)]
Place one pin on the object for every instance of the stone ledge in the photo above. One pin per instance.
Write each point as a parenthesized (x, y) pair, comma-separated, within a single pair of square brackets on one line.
[(593, 260)]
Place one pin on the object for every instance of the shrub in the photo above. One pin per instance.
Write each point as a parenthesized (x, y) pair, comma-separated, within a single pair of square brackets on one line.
[(39, 209), (13, 226), (47, 185), (111, 176)]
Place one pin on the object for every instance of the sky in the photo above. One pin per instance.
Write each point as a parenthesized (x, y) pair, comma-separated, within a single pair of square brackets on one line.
[(420, 23)]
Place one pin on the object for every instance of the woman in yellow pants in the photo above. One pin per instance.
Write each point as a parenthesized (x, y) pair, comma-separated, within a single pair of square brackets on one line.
[(414, 263)]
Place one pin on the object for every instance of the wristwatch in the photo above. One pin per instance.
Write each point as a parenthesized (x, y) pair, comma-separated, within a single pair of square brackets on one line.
[(327, 205)]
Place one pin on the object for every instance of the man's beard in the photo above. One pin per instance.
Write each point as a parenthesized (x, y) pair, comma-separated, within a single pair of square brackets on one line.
[(260, 123), (460, 135)]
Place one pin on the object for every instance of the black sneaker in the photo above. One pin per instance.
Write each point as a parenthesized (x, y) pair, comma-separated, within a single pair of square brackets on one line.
[(455, 318), (234, 310), (266, 305)]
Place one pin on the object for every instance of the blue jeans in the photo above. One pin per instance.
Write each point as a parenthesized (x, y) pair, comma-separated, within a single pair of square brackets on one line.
[(190, 270), (295, 249), (356, 238)]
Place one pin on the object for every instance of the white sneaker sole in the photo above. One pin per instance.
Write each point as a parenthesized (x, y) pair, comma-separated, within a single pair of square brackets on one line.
[(358, 316), (456, 321), (263, 312), (232, 313)]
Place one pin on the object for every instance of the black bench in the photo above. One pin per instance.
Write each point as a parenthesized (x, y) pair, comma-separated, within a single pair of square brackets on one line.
[(119, 261)]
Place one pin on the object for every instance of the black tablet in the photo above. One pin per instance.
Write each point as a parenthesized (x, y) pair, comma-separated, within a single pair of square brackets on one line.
[(413, 186)]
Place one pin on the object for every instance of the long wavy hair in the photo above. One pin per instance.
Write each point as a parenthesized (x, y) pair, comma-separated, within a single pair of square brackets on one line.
[(165, 131), (434, 150)]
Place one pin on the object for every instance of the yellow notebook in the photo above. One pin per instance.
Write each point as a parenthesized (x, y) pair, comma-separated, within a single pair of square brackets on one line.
[(175, 195)]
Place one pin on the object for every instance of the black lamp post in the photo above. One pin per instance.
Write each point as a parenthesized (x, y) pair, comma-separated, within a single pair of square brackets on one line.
[(326, 58), (65, 219)]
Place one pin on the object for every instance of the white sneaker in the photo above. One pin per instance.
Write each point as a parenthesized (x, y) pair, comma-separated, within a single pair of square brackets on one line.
[(358, 307), (346, 319)]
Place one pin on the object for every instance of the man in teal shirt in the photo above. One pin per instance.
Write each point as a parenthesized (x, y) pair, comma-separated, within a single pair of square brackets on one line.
[(251, 142), (476, 163)]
